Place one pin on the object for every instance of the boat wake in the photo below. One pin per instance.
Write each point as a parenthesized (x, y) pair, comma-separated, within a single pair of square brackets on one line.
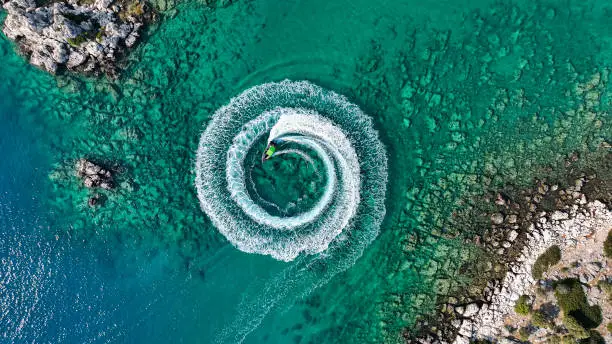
[(315, 125), (307, 116)]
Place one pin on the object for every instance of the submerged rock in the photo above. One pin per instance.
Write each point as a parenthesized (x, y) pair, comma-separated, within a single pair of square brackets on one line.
[(95, 200), (81, 36)]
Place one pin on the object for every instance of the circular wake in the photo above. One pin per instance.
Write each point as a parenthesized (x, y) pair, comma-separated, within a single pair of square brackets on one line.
[(309, 124)]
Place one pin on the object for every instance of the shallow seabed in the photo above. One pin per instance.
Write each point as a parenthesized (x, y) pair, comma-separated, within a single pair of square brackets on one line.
[(466, 95)]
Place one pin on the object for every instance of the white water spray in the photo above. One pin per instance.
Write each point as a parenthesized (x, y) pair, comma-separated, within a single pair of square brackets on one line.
[(341, 137)]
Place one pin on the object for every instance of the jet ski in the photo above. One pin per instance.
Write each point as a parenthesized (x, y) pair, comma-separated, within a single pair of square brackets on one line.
[(270, 150)]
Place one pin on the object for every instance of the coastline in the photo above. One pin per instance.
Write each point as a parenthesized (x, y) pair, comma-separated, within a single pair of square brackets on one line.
[(570, 231)]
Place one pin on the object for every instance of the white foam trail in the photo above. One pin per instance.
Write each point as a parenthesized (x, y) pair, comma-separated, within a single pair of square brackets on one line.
[(292, 121), (339, 227), (308, 117), (301, 154)]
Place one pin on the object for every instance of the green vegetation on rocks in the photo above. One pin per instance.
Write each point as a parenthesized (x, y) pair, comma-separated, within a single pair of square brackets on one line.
[(524, 333), (574, 328), (606, 287), (608, 245), (100, 35), (132, 9), (549, 258), (558, 339), (539, 319), (78, 40), (574, 305), (594, 338), (561, 339), (522, 305)]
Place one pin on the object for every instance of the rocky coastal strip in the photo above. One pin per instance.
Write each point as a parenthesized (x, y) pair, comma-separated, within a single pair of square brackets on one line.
[(538, 244), (85, 36), (550, 240), (578, 233)]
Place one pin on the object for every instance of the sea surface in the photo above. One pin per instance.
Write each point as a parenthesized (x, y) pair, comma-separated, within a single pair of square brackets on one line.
[(466, 95)]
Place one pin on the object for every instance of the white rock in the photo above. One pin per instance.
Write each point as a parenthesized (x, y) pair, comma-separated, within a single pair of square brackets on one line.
[(44, 61), (75, 59), (94, 49), (559, 215), (497, 218), (512, 235), (131, 40), (102, 4), (471, 310)]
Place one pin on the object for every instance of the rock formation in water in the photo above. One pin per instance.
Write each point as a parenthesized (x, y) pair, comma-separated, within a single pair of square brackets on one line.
[(94, 175), (87, 36)]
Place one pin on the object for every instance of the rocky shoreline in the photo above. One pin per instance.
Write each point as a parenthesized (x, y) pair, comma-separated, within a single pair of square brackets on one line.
[(84, 36), (94, 175), (557, 226), (513, 228), (570, 231)]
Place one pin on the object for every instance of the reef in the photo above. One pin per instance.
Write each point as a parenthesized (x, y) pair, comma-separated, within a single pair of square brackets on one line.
[(86, 36), (98, 178)]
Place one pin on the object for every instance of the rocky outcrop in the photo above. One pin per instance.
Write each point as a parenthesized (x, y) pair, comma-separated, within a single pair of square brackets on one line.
[(94, 176), (86, 36)]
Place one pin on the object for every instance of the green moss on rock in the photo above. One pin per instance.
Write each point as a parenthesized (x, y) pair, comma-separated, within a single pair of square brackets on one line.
[(574, 328), (539, 319), (594, 338), (561, 339), (606, 287), (77, 41), (100, 35)]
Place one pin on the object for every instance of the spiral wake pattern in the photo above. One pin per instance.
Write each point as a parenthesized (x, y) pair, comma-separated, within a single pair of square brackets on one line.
[(315, 125)]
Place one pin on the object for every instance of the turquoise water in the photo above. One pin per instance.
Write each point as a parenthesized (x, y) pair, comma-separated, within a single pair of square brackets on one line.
[(465, 95)]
